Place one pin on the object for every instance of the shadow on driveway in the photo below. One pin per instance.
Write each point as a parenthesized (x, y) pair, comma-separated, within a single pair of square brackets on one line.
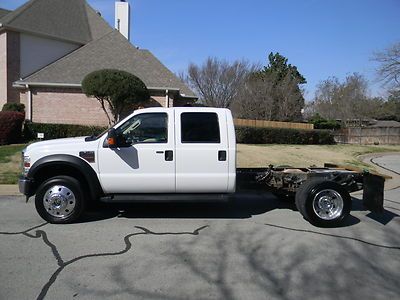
[(242, 206)]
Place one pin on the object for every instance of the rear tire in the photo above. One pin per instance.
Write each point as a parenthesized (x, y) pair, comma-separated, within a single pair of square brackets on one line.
[(323, 203), (60, 200)]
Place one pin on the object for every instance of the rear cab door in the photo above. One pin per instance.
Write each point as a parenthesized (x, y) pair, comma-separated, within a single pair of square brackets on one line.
[(202, 156)]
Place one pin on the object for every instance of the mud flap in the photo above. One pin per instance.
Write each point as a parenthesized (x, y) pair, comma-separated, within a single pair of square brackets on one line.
[(373, 192)]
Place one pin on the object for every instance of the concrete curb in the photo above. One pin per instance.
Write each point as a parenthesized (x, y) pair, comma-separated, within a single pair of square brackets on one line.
[(9, 190)]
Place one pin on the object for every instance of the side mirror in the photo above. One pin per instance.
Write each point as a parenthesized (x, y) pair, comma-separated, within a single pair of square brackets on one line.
[(112, 138)]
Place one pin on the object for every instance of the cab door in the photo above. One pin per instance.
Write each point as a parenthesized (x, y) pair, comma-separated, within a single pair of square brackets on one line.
[(146, 161), (201, 151)]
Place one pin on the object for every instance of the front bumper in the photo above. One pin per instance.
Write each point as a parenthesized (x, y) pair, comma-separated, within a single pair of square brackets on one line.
[(25, 186)]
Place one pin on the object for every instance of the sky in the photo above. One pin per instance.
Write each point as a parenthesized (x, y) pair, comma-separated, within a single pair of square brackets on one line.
[(323, 38)]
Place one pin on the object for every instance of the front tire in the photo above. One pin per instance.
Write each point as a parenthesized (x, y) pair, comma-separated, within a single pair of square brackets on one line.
[(323, 203), (60, 200)]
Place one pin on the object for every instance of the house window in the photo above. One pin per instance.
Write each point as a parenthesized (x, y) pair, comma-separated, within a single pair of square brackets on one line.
[(200, 128)]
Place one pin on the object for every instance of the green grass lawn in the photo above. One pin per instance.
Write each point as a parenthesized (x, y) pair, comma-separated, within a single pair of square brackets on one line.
[(10, 163)]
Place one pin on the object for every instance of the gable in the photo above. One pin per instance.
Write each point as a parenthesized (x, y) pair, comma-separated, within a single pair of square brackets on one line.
[(72, 20)]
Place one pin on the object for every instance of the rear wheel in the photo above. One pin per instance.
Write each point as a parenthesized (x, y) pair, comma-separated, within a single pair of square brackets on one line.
[(60, 200), (323, 203)]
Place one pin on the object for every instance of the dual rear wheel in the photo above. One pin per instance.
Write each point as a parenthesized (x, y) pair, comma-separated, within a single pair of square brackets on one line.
[(323, 203)]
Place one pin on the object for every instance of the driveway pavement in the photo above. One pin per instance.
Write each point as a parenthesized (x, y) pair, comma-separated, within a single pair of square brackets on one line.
[(254, 248)]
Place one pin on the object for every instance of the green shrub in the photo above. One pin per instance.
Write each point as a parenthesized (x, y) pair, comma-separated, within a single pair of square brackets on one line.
[(55, 131), (253, 135), (19, 107), (10, 127), (322, 123)]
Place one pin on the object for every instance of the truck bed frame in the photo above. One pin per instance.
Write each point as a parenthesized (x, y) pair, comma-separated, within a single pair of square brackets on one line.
[(285, 181)]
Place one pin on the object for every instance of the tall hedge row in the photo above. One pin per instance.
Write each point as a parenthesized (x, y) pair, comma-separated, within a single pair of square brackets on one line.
[(55, 131), (11, 127), (253, 135)]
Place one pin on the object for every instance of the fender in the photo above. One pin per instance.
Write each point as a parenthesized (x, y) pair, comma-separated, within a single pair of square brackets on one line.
[(71, 161)]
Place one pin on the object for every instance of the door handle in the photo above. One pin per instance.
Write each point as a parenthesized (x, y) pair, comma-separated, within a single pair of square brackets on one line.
[(159, 152), (169, 155), (222, 155)]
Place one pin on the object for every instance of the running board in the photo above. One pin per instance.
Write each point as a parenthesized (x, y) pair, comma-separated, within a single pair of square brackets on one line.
[(154, 198)]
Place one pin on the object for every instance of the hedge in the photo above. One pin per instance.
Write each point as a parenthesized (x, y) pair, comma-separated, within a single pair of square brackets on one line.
[(11, 127), (55, 131), (253, 135), (14, 107)]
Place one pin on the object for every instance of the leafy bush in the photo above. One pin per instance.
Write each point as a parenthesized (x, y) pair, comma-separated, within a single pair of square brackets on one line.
[(10, 127), (253, 135), (322, 123), (118, 89), (54, 131), (14, 107)]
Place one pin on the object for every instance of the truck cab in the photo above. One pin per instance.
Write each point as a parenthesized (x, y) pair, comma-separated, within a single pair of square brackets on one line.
[(153, 154), (183, 150)]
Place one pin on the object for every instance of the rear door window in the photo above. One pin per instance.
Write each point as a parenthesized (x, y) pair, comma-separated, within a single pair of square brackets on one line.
[(200, 128)]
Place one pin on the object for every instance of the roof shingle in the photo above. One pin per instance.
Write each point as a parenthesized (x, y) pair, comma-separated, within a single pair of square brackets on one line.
[(3, 12), (112, 51), (72, 20)]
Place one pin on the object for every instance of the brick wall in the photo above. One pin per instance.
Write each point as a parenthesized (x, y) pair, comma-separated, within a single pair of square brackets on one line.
[(66, 106), (71, 106)]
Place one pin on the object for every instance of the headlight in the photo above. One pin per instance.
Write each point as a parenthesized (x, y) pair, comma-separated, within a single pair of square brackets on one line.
[(26, 164)]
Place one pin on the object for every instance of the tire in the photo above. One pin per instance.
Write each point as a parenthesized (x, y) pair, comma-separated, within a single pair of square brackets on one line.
[(60, 200), (323, 203)]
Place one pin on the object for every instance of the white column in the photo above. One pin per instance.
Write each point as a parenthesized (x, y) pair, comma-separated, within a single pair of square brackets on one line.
[(29, 104), (166, 98)]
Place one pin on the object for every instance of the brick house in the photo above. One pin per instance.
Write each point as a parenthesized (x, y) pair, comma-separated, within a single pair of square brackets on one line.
[(47, 47)]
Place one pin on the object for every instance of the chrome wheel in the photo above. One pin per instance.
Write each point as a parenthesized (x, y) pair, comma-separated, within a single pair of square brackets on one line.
[(328, 204), (59, 201)]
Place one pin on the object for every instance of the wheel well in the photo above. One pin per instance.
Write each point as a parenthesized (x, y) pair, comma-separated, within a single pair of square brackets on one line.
[(50, 171)]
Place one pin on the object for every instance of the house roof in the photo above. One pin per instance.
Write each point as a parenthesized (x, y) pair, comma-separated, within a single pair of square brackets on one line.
[(3, 12), (72, 20), (112, 51)]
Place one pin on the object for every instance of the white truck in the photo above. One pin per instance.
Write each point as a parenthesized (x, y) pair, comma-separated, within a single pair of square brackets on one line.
[(176, 154)]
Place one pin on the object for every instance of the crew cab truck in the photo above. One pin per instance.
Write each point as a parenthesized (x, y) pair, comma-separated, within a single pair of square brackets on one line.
[(176, 154)]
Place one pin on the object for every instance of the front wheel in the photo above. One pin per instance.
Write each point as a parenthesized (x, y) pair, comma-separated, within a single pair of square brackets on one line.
[(323, 203), (60, 200)]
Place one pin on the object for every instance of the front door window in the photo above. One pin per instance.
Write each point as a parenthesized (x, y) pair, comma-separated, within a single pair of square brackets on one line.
[(144, 129)]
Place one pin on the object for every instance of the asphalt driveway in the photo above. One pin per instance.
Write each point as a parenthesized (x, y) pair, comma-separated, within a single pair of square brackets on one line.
[(254, 248)]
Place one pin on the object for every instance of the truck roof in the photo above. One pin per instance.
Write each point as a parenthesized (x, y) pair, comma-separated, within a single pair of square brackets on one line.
[(182, 109)]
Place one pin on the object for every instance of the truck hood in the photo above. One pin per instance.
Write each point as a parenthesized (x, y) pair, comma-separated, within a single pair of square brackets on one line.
[(59, 144)]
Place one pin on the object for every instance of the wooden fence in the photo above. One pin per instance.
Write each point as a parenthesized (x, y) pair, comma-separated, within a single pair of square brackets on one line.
[(272, 124)]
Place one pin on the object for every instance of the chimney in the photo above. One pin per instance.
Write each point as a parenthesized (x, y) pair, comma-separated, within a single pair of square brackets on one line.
[(122, 18)]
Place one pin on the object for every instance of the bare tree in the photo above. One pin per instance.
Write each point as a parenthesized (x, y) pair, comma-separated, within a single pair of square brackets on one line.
[(218, 82), (389, 68), (267, 98), (255, 100), (343, 100), (273, 93)]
